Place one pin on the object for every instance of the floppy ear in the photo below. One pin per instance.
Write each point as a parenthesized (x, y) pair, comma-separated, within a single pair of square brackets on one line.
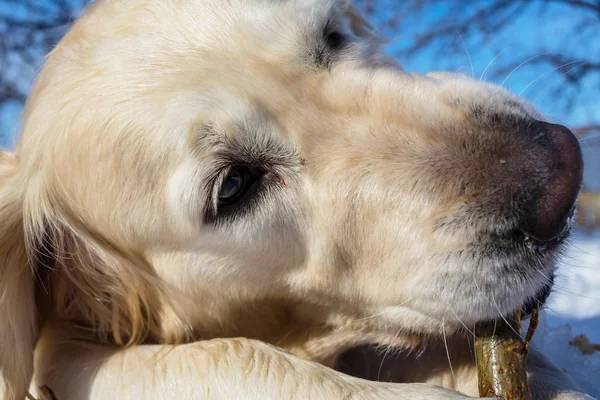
[(18, 324), (113, 289)]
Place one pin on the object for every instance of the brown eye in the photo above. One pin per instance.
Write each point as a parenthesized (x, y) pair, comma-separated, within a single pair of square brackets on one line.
[(232, 185), (236, 184)]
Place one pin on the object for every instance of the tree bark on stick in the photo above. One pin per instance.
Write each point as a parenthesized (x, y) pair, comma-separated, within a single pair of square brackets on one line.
[(501, 355)]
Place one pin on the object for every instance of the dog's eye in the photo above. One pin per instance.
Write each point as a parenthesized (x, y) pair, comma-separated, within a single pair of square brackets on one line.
[(236, 184), (329, 44), (334, 39)]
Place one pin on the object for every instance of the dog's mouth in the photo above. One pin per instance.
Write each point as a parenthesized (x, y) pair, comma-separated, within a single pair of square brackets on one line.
[(534, 251), (528, 255), (387, 364), (538, 300), (383, 363), (508, 236)]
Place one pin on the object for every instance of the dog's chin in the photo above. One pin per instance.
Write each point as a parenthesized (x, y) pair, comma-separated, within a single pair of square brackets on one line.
[(516, 273), (532, 261), (522, 254), (539, 255)]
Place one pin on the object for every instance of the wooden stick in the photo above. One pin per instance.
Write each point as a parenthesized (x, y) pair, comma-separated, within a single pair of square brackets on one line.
[(501, 356)]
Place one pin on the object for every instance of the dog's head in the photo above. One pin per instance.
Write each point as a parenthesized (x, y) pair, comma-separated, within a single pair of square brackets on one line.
[(269, 148)]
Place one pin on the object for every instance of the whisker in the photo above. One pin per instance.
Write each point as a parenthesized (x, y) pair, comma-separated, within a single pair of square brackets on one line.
[(493, 302), (387, 351), (448, 352), (467, 51), (547, 87), (562, 288), (570, 292), (519, 66), (544, 74), (573, 245), (461, 322), (383, 312), (490, 64), (504, 318), (577, 266)]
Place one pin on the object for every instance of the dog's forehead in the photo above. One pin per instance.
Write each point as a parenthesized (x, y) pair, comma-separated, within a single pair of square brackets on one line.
[(198, 44), (202, 19), (199, 31), (153, 52)]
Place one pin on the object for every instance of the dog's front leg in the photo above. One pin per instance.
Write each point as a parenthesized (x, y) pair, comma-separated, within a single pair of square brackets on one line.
[(216, 369)]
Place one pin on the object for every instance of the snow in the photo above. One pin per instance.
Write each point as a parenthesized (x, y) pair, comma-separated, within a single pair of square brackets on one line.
[(574, 309)]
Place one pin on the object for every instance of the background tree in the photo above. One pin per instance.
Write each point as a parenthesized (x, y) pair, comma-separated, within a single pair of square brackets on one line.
[(545, 50), (552, 44), (29, 29)]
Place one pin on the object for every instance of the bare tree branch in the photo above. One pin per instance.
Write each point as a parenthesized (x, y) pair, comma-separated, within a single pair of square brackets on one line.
[(478, 25), (29, 30), (586, 130), (581, 4)]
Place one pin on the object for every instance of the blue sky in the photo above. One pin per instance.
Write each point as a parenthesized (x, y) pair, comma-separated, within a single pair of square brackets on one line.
[(529, 34), (524, 37)]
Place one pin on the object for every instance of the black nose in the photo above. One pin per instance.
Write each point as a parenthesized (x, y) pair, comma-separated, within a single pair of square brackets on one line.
[(560, 170)]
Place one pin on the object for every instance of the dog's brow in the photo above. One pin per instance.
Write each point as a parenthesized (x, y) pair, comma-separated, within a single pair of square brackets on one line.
[(253, 141), (258, 148)]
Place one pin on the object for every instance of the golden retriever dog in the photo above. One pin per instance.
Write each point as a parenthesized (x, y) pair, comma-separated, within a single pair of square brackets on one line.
[(234, 199)]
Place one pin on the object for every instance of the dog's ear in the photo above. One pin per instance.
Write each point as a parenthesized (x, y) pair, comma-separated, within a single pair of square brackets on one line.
[(18, 314), (358, 24), (84, 275)]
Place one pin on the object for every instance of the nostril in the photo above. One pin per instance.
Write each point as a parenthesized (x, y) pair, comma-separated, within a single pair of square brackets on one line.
[(531, 240), (548, 213)]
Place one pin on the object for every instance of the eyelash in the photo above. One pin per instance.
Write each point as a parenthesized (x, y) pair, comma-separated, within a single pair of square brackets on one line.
[(217, 213), (332, 40)]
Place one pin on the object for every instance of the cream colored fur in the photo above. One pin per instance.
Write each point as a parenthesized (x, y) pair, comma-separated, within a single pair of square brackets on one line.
[(115, 283)]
